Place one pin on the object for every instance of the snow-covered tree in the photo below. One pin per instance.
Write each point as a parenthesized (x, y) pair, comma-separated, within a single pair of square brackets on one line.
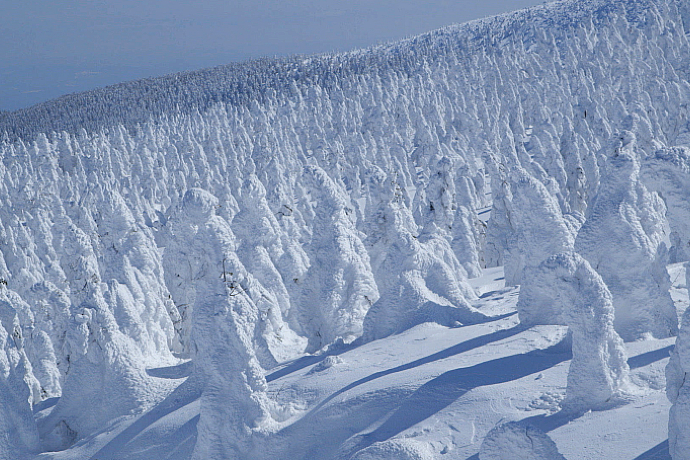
[(539, 229), (419, 278), (18, 433), (565, 290), (668, 173), (339, 287), (260, 248), (234, 405), (622, 239)]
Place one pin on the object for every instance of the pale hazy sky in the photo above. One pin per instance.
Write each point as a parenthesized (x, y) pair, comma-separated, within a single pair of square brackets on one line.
[(49, 48)]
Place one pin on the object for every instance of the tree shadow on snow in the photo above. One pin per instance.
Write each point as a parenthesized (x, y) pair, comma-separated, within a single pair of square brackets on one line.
[(307, 361), (658, 452), (172, 372), (188, 392), (440, 392), (331, 426), (648, 358), (462, 347)]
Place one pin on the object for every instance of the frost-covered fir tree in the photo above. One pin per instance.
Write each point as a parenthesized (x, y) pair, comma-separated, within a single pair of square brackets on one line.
[(18, 433), (105, 365), (668, 172), (132, 267), (540, 229), (260, 248), (339, 287), (234, 404), (678, 392), (419, 280), (565, 290), (622, 240)]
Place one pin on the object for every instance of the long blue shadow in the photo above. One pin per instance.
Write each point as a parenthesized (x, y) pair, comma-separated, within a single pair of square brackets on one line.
[(462, 347), (46, 404), (186, 393), (172, 372), (442, 391), (548, 423), (648, 358), (658, 452), (307, 361)]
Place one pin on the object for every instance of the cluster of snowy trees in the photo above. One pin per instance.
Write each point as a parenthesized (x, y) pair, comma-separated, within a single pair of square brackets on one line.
[(246, 214)]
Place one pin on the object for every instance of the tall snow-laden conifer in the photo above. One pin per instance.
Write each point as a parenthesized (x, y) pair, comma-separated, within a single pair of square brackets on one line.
[(667, 172), (622, 240), (18, 433), (339, 287), (234, 404)]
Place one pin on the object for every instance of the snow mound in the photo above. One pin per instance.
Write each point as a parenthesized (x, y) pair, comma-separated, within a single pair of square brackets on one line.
[(518, 441), (399, 449)]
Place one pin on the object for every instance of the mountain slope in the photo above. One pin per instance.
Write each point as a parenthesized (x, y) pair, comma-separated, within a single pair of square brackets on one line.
[(245, 216)]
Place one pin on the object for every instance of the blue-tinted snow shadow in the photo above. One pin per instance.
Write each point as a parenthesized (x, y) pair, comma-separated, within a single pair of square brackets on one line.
[(658, 452), (551, 422), (331, 427), (462, 347), (46, 404), (440, 392), (188, 392), (648, 358), (172, 372), (307, 361)]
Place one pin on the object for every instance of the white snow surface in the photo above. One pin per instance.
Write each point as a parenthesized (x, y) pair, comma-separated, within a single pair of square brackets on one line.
[(321, 257)]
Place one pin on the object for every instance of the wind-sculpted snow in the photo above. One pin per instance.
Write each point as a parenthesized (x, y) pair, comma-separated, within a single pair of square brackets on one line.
[(353, 186), (565, 290)]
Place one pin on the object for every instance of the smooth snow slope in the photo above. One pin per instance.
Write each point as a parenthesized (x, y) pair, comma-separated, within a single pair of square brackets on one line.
[(310, 205)]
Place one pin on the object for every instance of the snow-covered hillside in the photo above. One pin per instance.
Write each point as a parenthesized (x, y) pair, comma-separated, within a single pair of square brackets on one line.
[(467, 244)]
